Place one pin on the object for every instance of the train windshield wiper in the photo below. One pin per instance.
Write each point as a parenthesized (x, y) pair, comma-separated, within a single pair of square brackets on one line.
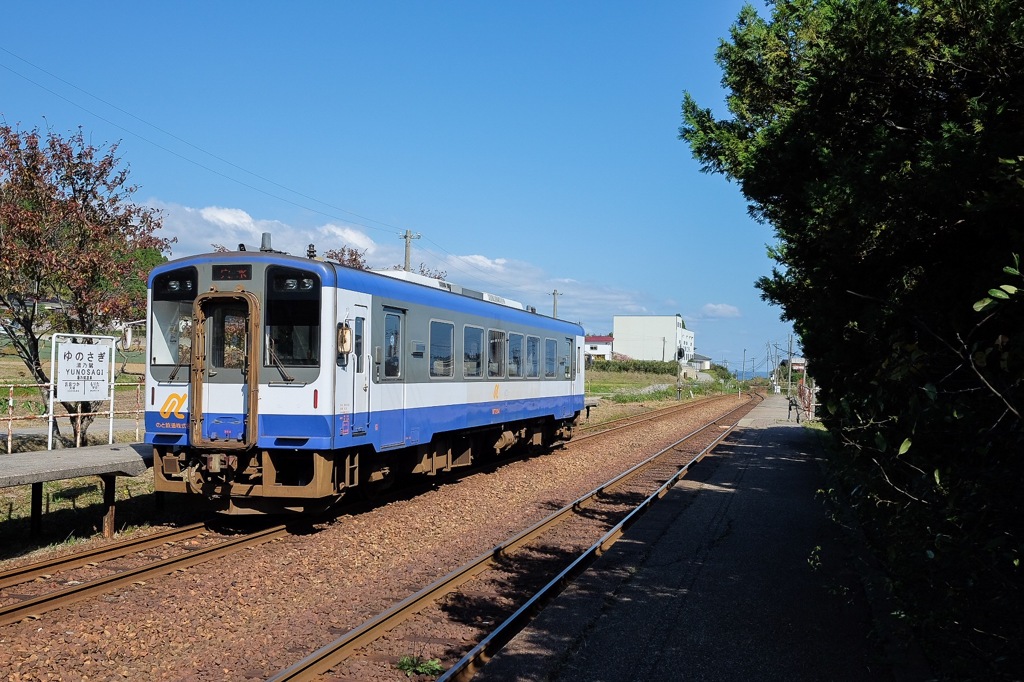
[(280, 365), (181, 361)]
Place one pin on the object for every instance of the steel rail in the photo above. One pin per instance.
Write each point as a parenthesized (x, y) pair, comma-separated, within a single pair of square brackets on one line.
[(333, 653), (478, 656), (31, 608), (116, 550), (632, 420)]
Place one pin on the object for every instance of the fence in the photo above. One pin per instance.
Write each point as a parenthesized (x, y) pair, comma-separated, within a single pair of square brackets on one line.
[(25, 400)]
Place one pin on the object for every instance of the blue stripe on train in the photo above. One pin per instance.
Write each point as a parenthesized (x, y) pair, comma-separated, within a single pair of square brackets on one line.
[(405, 427)]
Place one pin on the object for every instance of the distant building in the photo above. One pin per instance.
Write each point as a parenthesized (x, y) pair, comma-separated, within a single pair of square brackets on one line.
[(701, 363), (653, 337), (598, 347)]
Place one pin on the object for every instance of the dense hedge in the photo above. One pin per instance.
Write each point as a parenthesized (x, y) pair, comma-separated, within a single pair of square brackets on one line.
[(884, 143), (643, 366)]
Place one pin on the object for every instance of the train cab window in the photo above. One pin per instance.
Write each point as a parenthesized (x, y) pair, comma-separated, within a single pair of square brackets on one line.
[(173, 294), (532, 357), (495, 353), (567, 360), (472, 352), (515, 355), (550, 358), (442, 357), (392, 345), (292, 318)]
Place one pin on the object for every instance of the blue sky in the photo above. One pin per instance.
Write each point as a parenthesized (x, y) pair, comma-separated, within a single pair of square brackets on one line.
[(533, 145)]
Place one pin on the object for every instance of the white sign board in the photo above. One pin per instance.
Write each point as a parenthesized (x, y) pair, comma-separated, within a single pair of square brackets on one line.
[(83, 371)]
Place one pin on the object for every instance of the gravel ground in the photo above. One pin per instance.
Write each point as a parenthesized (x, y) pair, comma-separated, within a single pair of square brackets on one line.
[(248, 616)]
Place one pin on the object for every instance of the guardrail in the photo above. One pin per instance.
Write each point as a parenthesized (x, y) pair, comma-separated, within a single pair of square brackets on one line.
[(22, 408)]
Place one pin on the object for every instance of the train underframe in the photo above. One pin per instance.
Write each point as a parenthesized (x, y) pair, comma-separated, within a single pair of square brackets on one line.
[(261, 481)]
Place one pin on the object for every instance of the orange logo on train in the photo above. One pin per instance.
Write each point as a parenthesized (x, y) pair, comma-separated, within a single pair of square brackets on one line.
[(173, 405)]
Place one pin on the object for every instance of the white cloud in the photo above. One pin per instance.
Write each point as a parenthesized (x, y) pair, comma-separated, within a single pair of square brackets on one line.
[(719, 310), (230, 218), (491, 265), (591, 303), (336, 236)]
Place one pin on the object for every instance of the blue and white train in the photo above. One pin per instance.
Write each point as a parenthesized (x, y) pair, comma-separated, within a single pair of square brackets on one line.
[(277, 383)]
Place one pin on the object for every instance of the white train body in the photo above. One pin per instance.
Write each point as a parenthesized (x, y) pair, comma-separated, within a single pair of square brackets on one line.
[(279, 383)]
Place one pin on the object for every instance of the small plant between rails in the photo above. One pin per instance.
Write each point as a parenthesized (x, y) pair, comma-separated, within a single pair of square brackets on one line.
[(611, 507)]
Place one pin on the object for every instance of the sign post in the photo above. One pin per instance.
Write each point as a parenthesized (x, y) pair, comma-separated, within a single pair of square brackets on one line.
[(80, 370)]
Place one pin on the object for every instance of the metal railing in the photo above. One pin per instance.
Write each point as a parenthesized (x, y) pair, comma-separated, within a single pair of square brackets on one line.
[(19, 408)]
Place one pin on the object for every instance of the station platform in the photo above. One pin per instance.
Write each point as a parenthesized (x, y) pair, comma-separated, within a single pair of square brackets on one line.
[(106, 461), (737, 573)]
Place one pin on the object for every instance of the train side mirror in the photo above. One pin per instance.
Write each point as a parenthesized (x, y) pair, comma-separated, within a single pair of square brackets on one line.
[(344, 343), (344, 338)]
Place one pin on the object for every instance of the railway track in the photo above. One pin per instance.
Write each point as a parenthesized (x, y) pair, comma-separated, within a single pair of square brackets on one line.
[(117, 550), (523, 561), (31, 606), (41, 599), (588, 432)]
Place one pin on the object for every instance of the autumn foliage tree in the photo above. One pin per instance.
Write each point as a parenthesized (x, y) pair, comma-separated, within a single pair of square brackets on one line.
[(74, 248), (346, 255)]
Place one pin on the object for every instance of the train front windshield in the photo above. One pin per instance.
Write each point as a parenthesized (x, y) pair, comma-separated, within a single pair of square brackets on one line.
[(171, 328), (291, 323), (293, 318)]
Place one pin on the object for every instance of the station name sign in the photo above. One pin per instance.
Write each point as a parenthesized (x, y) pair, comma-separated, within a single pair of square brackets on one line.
[(83, 372)]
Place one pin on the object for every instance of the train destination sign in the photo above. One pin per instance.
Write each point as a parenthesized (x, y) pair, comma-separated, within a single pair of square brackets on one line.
[(83, 372)]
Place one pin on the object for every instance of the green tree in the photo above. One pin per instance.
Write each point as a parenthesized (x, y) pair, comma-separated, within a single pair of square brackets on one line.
[(720, 372), (74, 249), (883, 141)]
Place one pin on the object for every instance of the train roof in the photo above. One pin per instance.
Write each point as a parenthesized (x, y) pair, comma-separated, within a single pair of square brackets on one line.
[(433, 282), (333, 273)]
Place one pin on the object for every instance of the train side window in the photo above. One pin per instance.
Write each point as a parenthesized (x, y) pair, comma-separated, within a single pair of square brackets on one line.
[(472, 352), (515, 355), (357, 343), (567, 359), (550, 358), (442, 356), (532, 357), (495, 353), (392, 345)]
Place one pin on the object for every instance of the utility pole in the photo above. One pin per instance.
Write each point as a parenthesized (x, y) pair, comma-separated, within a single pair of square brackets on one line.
[(554, 307), (789, 381), (743, 367), (408, 237)]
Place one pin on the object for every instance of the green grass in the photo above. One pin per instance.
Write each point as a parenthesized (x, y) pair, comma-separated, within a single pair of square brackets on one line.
[(73, 512), (632, 387), (600, 382)]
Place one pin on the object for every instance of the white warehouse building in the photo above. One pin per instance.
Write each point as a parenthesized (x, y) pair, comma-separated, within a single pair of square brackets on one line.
[(652, 337)]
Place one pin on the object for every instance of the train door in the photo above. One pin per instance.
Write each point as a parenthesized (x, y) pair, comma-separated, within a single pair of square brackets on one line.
[(568, 367), (225, 367), (390, 368)]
